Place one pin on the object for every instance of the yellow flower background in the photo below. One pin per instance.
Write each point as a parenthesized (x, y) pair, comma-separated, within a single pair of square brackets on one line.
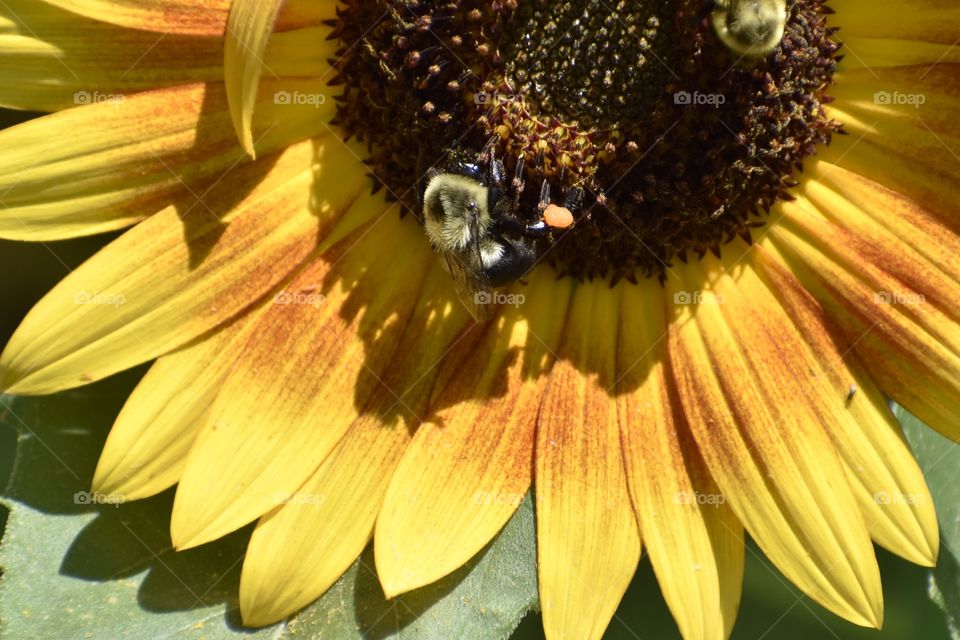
[(314, 372)]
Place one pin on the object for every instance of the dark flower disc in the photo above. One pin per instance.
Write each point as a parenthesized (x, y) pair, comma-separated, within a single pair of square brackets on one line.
[(678, 145)]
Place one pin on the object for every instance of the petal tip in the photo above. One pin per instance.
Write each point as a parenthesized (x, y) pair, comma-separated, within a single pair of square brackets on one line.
[(9, 381), (255, 612), (184, 532), (106, 482), (395, 578), (397, 585), (870, 615), (924, 552)]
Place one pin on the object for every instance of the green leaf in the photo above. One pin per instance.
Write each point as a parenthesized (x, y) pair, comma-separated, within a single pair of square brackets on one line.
[(76, 570), (939, 458), (485, 599)]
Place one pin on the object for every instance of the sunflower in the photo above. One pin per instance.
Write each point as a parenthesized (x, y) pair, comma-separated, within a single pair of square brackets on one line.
[(768, 251)]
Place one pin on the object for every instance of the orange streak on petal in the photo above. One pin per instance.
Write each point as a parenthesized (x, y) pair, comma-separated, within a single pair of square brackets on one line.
[(54, 59), (894, 318), (588, 545), (935, 189), (693, 539), (195, 17), (469, 466), (117, 163), (890, 229), (745, 394), (148, 444), (313, 361), (907, 111), (883, 474), (298, 550), (181, 273)]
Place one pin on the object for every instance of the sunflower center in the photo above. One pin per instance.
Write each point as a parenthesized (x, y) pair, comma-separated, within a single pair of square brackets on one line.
[(587, 61), (678, 143)]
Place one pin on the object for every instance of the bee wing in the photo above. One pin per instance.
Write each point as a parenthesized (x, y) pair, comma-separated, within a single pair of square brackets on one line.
[(473, 290)]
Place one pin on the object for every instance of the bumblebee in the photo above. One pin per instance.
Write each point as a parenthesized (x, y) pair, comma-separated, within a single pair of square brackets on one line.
[(471, 216), (750, 28)]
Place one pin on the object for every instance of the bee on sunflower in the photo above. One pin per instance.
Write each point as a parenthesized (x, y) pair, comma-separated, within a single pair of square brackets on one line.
[(665, 263)]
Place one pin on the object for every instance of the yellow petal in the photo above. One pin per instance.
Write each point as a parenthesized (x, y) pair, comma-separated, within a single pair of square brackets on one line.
[(147, 447), (248, 30), (305, 52), (298, 14), (744, 386), (924, 20), (884, 217), (904, 109), (864, 52), (927, 190), (588, 544), (191, 17), (301, 548), (890, 304), (148, 444), (186, 17), (884, 476), (470, 464), (312, 362), (115, 164), (51, 59), (54, 58), (693, 539), (179, 274)]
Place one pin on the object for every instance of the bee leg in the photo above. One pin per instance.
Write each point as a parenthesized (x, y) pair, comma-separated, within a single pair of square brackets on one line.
[(512, 227), (518, 182), (544, 196), (497, 171), (538, 229), (574, 200)]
